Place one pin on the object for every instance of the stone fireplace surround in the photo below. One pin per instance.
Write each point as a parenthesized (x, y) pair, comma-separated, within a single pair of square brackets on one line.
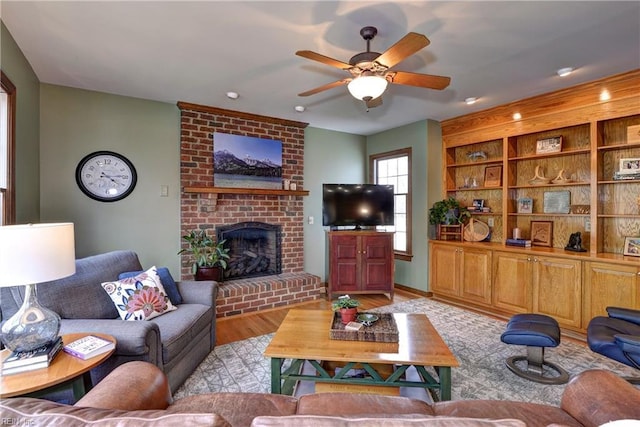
[(207, 210)]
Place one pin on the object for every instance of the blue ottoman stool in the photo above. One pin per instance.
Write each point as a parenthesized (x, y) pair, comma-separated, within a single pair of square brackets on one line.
[(536, 331)]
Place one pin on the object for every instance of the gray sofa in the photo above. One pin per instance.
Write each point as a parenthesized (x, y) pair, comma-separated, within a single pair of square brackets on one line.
[(176, 342)]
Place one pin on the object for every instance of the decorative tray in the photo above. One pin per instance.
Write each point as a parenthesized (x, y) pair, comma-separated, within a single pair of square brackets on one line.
[(382, 330)]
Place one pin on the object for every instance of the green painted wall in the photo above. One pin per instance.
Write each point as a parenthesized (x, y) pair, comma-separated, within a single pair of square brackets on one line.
[(74, 123), (425, 141), (27, 137), (329, 157)]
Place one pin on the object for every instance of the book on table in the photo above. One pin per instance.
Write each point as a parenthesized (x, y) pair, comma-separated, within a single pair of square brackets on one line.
[(88, 347), (23, 361)]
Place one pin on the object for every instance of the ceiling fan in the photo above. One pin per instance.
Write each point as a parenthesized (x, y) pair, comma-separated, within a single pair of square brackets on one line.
[(370, 71)]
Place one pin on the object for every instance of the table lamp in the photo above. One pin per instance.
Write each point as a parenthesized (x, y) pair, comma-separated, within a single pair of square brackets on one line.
[(30, 254)]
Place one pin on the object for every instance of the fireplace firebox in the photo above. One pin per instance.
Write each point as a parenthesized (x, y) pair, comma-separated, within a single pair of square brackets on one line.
[(254, 249)]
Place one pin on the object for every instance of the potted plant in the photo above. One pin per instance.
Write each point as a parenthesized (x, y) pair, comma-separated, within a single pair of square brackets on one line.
[(448, 211), (348, 308), (209, 258)]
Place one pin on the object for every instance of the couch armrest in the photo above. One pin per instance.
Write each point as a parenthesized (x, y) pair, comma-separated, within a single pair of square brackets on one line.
[(198, 292), (139, 338), (595, 397), (628, 343), (131, 386), (627, 314)]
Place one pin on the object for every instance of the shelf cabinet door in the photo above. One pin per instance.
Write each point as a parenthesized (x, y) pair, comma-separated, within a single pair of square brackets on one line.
[(609, 285), (557, 289), (512, 282), (344, 276), (461, 272), (475, 275), (444, 271), (377, 262)]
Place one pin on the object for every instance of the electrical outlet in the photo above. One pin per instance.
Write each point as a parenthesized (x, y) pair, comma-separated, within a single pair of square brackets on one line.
[(490, 222), (587, 225), (310, 220), (164, 191)]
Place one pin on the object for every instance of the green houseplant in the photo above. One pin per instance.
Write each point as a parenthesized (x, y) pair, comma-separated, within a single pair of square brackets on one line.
[(348, 308), (209, 258), (448, 211)]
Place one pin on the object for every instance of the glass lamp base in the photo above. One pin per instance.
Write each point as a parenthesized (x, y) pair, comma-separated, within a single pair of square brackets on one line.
[(32, 326)]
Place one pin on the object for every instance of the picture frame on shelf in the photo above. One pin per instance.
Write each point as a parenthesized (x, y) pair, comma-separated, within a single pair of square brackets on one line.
[(525, 205), (549, 145), (493, 176), (478, 204), (633, 134), (629, 166), (541, 233), (632, 246), (557, 202)]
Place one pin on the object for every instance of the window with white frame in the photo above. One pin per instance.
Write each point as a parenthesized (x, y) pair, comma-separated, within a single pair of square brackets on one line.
[(394, 168), (7, 172)]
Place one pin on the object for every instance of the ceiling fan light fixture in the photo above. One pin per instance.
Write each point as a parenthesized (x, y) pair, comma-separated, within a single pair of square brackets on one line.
[(563, 72), (370, 87)]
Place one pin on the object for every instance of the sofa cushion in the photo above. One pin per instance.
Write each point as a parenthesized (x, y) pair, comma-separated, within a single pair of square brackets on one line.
[(166, 279), (351, 404), (535, 415), (38, 412), (141, 297), (417, 421), (182, 326), (239, 409)]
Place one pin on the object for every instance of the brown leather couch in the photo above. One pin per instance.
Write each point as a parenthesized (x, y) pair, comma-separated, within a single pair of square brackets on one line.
[(137, 393)]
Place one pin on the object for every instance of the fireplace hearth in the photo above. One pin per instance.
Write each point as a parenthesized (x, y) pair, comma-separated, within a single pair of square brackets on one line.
[(254, 249)]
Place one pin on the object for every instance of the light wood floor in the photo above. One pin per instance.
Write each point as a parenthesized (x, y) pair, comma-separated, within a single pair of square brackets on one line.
[(236, 328)]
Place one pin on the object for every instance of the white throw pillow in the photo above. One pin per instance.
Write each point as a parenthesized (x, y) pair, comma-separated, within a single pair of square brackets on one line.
[(141, 297)]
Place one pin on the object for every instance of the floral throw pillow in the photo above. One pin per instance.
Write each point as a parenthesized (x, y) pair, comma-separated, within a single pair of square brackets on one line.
[(141, 297)]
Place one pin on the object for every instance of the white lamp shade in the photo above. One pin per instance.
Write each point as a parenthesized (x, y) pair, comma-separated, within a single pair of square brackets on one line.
[(367, 86), (35, 253)]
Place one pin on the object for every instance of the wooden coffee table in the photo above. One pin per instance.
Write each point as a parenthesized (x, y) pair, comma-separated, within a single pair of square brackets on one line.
[(63, 371), (303, 337)]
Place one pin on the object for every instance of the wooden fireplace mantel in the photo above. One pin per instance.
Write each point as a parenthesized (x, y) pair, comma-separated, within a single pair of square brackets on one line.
[(233, 190)]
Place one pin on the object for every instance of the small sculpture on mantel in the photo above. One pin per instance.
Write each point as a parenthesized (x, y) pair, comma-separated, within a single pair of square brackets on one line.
[(575, 243)]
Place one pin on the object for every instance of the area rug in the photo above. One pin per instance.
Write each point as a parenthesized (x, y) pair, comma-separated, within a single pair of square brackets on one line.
[(472, 337)]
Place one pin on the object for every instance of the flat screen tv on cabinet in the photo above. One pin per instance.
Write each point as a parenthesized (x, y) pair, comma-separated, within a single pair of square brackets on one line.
[(357, 205)]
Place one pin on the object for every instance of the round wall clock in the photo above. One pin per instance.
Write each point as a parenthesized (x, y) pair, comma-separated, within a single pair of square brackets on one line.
[(106, 176)]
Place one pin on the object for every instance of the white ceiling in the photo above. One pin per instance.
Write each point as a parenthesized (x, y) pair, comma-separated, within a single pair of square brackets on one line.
[(197, 51)]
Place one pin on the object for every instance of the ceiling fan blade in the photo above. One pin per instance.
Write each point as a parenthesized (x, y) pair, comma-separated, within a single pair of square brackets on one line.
[(421, 80), (325, 87), (406, 46), (375, 102), (324, 59)]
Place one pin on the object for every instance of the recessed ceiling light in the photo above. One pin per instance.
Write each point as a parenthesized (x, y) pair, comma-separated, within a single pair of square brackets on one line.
[(299, 108), (232, 95), (605, 95), (517, 116), (471, 100), (563, 72)]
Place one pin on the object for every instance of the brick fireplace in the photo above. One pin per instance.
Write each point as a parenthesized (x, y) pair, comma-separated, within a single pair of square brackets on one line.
[(210, 210)]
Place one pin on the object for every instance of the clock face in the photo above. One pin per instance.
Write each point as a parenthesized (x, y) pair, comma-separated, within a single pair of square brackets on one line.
[(106, 176)]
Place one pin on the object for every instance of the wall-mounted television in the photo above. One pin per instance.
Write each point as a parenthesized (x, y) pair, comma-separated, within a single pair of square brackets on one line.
[(357, 205)]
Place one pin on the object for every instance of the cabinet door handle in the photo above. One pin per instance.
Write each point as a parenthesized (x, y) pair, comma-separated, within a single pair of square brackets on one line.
[(529, 258)]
